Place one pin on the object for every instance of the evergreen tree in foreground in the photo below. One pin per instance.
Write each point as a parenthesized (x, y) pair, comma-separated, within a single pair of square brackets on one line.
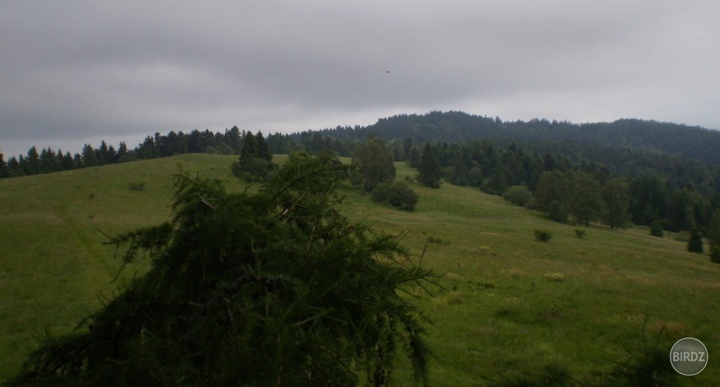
[(274, 287)]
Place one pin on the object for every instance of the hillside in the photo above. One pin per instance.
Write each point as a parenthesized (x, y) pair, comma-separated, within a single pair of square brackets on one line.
[(695, 143), (510, 305)]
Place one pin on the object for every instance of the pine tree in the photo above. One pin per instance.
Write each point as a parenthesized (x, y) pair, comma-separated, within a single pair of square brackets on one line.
[(3, 166), (713, 236), (429, 172), (656, 229), (273, 287), (255, 161), (249, 149), (48, 161), (263, 150), (122, 152), (67, 162), (695, 244), (89, 156), (32, 161)]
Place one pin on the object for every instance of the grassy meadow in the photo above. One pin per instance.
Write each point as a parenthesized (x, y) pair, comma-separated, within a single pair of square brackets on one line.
[(508, 305)]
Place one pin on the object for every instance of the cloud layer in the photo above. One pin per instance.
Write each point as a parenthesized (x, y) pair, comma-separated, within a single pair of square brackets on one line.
[(75, 72)]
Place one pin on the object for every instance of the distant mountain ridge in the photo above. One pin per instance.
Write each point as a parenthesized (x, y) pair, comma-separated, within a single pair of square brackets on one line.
[(695, 143)]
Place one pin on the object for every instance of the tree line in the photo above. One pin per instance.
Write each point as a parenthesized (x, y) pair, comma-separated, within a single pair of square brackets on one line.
[(678, 192), (694, 143), (47, 160), (555, 178)]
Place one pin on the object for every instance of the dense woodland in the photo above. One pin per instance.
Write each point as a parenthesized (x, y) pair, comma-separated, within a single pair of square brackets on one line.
[(671, 172)]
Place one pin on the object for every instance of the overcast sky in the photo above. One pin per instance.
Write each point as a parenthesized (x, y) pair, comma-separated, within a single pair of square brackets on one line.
[(75, 72)]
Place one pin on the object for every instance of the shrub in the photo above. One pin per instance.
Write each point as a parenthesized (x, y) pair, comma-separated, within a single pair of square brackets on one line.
[(647, 365), (398, 195), (695, 244), (656, 229), (137, 185), (580, 233), (437, 240), (518, 194), (543, 236), (715, 252)]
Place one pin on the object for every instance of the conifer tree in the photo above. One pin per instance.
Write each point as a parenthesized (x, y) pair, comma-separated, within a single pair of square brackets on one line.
[(89, 157), (714, 237), (3, 166), (249, 149), (270, 288), (255, 161), (32, 161), (656, 229), (263, 150), (695, 244), (429, 171)]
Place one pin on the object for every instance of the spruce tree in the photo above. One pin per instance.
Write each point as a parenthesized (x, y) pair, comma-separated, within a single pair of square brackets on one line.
[(266, 288), (263, 150), (695, 244), (429, 171), (249, 149), (32, 161), (656, 229), (3, 166), (255, 161), (713, 236)]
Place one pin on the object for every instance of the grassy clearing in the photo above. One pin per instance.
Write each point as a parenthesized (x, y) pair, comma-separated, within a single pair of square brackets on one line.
[(510, 304)]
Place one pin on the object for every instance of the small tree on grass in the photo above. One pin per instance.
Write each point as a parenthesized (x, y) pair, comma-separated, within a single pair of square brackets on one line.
[(274, 287), (543, 236), (695, 244), (656, 229), (429, 170), (714, 237)]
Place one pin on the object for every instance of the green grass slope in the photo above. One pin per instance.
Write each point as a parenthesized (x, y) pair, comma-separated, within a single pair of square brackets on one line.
[(510, 305)]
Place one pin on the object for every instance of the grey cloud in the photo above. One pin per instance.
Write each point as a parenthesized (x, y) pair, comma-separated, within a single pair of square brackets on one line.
[(79, 71)]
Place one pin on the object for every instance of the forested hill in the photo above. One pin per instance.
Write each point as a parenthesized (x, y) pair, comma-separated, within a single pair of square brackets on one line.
[(671, 139)]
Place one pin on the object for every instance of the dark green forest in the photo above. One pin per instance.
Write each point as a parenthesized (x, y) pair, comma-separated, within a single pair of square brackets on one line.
[(671, 171)]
